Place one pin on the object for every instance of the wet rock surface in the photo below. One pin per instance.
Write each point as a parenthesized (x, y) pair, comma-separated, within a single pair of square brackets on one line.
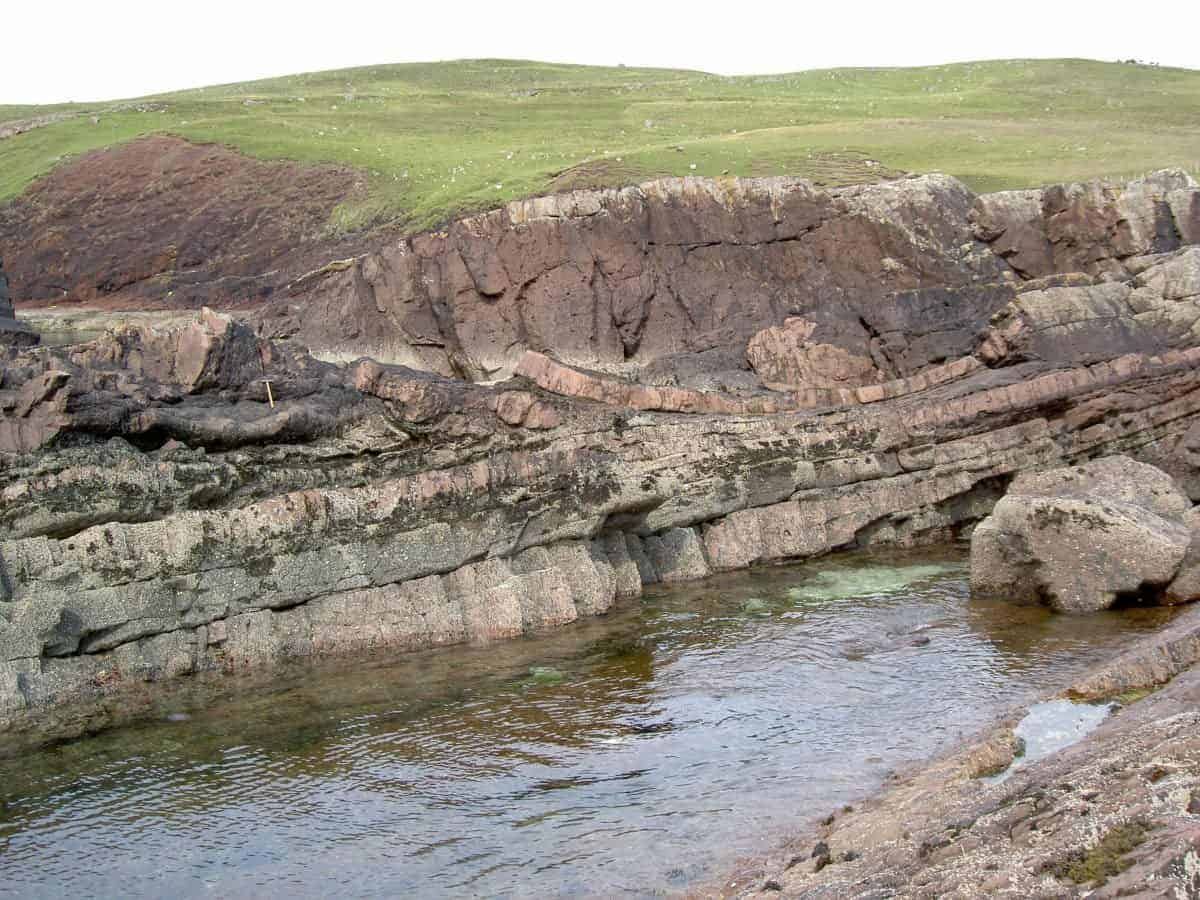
[(1083, 538), (205, 497)]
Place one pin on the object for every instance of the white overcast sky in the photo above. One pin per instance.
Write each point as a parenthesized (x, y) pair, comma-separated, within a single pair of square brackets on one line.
[(106, 49)]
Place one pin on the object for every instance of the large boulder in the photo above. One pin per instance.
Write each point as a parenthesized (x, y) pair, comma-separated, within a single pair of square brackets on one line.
[(1084, 538)]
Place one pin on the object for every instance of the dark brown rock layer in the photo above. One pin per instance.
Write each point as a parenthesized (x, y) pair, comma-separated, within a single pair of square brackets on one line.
[(161, 222)]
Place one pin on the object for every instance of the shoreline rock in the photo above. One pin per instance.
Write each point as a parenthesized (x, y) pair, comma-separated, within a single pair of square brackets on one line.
[(1050, 830), (1083, 538), (164, 515)]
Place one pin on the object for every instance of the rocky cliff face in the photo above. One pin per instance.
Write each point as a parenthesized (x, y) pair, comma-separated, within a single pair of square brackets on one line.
[(626, 279), (165, 515), (900, 275)]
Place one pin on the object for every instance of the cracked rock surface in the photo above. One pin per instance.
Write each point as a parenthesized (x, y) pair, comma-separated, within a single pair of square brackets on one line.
[(207, 496)]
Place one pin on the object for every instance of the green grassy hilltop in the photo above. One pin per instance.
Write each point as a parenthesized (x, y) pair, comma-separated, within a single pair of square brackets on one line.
[(440, 139)]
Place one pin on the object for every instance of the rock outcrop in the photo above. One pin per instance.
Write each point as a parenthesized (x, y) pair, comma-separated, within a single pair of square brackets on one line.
[(151, 386), (1115, 815), (165, 514), (1092, 227), (619, 279), (901, 273), (12, 332), (1083, 538)]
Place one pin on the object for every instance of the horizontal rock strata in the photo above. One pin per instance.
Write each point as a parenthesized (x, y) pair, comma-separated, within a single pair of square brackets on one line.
[(201, 499), (557, 378)]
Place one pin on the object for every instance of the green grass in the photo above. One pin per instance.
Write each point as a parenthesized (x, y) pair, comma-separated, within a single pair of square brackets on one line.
[(442, 139)]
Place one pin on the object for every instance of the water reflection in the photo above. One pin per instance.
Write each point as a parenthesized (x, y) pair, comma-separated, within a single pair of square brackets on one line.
[(624, 755)]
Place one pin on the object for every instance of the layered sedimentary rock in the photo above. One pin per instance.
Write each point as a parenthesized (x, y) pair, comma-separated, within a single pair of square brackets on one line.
[(203, 498)]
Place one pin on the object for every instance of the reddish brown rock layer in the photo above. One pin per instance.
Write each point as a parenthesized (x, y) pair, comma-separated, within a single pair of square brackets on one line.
[(567, 381), (630, 276)]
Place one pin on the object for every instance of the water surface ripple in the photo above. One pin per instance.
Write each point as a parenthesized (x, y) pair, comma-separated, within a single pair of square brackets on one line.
[(628, 755)]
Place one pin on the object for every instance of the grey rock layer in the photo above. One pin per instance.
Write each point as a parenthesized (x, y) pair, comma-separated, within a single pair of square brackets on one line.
[(163, 516)]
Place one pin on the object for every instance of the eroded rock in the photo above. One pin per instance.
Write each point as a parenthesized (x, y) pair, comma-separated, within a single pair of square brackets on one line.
[(163, 514), (1082, 538)]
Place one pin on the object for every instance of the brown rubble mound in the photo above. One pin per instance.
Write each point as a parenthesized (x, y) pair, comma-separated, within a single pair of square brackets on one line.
[(161, 222)]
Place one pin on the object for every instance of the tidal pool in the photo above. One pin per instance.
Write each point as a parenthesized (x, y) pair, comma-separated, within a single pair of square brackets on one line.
[(630, 755), (1051, 726)]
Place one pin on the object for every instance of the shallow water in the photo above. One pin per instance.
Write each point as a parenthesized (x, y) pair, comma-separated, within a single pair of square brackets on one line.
[(1051, 726), (628, 755)]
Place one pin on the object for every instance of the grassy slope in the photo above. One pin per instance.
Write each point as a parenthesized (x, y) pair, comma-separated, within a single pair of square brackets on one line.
[(440, 139)]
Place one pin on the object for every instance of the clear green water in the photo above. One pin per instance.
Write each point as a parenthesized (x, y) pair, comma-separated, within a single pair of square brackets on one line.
[(630, 755)]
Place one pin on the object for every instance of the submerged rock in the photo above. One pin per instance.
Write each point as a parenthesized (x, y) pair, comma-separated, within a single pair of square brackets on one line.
[(868, 581), (1083, 538), (545, 675)]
